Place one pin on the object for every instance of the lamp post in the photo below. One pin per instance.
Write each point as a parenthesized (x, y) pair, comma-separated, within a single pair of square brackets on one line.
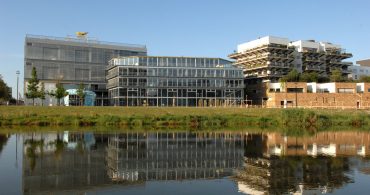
[(296, 95), (17, 72)]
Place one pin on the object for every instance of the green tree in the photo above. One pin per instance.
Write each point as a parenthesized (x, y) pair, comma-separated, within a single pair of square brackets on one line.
[(42, 93), (336, 76), (4, 90), (323, 79), (60, 92), (59, 145), (33, 86), (81, 93), (309, 77), (292, 76), (365, 79)]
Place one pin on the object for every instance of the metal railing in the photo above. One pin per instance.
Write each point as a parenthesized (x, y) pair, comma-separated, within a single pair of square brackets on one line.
[(85, 40)]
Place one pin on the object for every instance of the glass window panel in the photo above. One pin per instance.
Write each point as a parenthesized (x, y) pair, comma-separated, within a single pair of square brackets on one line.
[(50, 53)]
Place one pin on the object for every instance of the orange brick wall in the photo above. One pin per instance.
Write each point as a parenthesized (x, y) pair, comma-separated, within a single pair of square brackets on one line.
[(320, 100)]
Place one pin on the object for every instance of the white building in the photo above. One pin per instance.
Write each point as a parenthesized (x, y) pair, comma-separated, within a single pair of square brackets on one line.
[(362, 68), (270, 58)]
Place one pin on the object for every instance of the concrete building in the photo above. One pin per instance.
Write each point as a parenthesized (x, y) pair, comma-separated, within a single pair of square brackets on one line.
[(311, 95), (364, 62), (269, 58), (174, 81), (72, 61), (362, 68)]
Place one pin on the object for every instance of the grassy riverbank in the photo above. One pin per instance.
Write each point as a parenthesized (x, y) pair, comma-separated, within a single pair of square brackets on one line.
[(180, 118)]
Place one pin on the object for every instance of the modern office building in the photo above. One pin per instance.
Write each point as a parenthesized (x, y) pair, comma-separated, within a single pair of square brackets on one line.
[(73, 61), (174, 81), (269, 58)]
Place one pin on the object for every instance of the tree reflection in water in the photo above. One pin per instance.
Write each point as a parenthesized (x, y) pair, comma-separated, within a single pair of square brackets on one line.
[(3, 141), (34, 148)]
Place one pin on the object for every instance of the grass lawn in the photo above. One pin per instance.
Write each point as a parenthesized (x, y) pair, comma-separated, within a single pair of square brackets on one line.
[(16, 111), (156, 117)]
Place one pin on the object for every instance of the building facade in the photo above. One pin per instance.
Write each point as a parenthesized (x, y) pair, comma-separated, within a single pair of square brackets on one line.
[(72, 61), (174, 81), (269, 58), (313, 95), (362, 68)]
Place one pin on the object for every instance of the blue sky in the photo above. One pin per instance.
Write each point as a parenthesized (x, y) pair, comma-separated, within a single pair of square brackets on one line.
[(210, 28)]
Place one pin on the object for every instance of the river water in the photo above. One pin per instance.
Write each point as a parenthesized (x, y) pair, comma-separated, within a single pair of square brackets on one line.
[(183, 162)]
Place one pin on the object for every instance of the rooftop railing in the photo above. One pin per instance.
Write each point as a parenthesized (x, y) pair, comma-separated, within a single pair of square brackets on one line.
[(85, 40)]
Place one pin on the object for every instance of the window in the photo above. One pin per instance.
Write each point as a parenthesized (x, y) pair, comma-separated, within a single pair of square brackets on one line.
[(162, 61), (122, 82), (82, 74), (345, 90), (152, 72), (132, 72), (274, 90), (82, 56), (142, 82), (50, 72), (295, 90), (142, 72), (50, 53), (323, 90), (132, 81)]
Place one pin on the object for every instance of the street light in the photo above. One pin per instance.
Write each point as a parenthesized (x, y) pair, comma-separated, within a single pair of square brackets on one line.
[(17, 72), (296, 94)]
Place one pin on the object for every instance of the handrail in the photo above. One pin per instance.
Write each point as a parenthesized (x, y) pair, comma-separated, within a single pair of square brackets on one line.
[(87, 40)]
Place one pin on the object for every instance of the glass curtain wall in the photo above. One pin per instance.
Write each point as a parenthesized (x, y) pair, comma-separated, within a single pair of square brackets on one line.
[(174, 81), (73, 61)]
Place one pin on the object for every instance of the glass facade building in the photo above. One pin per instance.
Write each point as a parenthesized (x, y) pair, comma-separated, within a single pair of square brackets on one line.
[(72, 61), (174, 81)]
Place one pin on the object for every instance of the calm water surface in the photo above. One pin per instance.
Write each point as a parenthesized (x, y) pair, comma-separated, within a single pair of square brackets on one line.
[(178, 163)]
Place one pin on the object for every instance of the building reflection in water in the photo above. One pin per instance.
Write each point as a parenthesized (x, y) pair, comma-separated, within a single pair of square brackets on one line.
[(276, 164), (259, 163), (173, 156), (79, 161)]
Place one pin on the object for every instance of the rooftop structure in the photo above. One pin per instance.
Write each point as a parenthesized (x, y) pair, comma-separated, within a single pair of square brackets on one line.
[(364, 62)]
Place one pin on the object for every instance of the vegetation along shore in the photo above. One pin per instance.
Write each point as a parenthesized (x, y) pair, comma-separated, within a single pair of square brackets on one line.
[(182, 117)]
